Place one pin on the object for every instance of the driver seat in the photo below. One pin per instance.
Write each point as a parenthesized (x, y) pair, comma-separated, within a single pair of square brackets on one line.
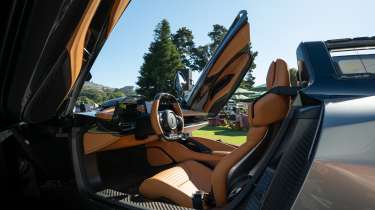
[(179, 183)]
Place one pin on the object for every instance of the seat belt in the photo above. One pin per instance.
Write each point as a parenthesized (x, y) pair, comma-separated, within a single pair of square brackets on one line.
[(279, 90), (203, 200), (285, 91), (198, 200)]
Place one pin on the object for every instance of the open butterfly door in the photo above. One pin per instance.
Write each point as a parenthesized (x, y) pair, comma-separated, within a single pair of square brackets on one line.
[(225, 70), (46, 51)]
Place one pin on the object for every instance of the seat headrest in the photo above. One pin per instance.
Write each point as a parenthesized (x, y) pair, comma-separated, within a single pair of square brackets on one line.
[(278, 74), (271, 107)]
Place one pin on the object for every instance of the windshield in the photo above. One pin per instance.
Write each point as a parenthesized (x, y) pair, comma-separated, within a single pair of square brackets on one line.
[(354, 61)]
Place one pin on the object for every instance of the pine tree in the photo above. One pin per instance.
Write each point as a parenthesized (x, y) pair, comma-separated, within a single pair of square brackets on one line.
[(160, 63), (249, 80)]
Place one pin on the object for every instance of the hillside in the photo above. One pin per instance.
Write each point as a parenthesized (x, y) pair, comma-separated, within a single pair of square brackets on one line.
[(98, 87), (93, 93)]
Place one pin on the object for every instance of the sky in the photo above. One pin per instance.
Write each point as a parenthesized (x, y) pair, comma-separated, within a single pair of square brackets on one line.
[(277, 27)]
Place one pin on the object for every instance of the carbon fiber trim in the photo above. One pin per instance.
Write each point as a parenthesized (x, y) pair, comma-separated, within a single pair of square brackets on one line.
[(111, 194), (123, 199), (256, 197)]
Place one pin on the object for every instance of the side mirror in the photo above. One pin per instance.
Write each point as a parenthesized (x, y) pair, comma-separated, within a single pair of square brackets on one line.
[(180, 84)]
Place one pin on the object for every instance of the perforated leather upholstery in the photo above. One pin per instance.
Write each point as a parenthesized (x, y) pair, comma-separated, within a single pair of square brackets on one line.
[(178, 183)]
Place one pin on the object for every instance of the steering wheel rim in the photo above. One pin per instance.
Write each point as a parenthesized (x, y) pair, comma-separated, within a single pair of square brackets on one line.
[(156, 121)]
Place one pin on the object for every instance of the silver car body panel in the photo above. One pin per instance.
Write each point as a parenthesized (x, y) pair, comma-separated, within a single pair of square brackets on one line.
[(342, 174)]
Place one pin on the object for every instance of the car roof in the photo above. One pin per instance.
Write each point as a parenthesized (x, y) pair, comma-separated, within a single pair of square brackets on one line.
[(323, 80)]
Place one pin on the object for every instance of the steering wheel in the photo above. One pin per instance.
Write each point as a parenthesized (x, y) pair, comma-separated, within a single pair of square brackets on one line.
[(168, 123)]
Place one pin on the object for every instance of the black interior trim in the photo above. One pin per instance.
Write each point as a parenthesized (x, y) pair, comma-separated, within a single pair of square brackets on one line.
[(195, 145), (293, 164), (78, 161)]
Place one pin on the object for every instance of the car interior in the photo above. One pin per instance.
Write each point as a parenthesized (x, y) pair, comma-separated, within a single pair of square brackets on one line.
[(139, 154), (167, 168)]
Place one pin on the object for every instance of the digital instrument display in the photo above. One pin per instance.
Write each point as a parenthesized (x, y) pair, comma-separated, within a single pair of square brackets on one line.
[(126, 113)]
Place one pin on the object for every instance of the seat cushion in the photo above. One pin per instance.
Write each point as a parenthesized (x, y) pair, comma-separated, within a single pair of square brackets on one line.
[(179, 183)]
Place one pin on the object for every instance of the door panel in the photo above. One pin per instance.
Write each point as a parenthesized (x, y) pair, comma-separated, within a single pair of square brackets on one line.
[(225, 70)]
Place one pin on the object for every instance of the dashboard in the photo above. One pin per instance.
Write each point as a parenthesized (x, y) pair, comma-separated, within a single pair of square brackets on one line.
[(128, 124), (133, 116)]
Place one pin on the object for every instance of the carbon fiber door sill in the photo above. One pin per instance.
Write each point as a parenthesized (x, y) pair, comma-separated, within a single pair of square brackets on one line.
[(135, 202)]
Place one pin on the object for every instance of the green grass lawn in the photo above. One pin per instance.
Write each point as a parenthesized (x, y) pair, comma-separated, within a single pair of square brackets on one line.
[(225, 134)]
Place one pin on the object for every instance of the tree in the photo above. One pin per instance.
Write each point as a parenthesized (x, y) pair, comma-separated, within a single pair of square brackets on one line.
[(293, 76), (160, 63), (217, 35), (94, 95), (128, 90), (91, 95), (200, 57), (117, 93), (183, 39), (196, 58), (249, 80)]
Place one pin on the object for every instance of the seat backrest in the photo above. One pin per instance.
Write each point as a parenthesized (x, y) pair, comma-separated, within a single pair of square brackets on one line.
[(269, 109)]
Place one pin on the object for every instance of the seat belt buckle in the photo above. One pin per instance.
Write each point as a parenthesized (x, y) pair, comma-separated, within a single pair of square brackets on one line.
[(199, 198)]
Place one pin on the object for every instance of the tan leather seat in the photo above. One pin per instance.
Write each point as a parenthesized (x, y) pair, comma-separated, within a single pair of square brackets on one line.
[(179, 183)]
